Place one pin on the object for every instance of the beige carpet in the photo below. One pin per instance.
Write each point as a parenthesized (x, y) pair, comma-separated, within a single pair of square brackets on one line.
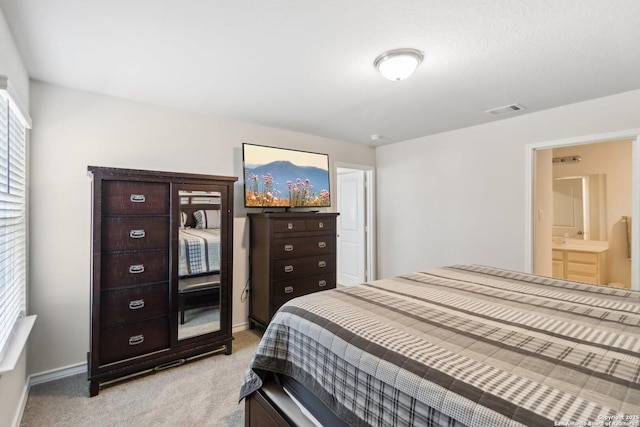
[(200, 393)]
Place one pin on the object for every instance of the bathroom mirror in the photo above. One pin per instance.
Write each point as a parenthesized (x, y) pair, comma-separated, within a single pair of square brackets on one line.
[(199, 258), (579, 207)]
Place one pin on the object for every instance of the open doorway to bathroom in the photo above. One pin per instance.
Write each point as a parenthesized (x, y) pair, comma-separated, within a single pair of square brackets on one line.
[(582, 209)]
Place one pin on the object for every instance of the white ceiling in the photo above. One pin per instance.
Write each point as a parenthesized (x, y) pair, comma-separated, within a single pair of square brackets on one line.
[(307, 65)]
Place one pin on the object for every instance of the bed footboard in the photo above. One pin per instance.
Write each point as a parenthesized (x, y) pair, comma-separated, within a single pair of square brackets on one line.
[(270, 406)]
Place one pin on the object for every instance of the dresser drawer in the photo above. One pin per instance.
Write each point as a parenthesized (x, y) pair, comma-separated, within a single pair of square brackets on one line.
[(132, 340), (134, 268), (134, 233), (582, 269), (583, 257), (132, 197), (287, 289), (320, 224), (580, 278), (288, 225), (299, 267), (134, 304), (303, 246)]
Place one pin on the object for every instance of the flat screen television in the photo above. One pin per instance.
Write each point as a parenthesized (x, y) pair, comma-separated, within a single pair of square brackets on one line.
[(280, 177)]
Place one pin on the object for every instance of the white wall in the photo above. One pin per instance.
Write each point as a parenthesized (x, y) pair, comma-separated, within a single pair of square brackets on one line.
[(74, 129), (11, 64), (13, 385), (459, 197)]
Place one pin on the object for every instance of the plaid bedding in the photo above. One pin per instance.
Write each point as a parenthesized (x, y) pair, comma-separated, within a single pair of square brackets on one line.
[(199, 251), (462, 346)]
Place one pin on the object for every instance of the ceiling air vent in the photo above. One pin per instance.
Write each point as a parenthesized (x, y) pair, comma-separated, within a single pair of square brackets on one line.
[(505, 110)]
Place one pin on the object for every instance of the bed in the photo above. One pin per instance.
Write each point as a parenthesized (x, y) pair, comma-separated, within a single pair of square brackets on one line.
[(454, 346), (198, 251), (199, 233)]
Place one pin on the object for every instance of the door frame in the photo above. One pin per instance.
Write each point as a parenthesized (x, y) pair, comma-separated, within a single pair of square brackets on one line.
[(632, 134), (371, 266)]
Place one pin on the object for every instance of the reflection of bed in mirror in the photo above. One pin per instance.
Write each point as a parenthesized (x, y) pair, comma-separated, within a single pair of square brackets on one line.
[(199, 263), (199, 251)]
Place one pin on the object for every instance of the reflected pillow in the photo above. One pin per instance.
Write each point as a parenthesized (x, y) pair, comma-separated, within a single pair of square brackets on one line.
[(207, 219), (183, 219)]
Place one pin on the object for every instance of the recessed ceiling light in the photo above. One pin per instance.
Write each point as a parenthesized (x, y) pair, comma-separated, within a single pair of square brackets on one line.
[(376, 137), (398, 64)]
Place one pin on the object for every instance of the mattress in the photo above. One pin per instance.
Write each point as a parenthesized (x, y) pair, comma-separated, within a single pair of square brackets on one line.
[(462, 346), (199, 251)]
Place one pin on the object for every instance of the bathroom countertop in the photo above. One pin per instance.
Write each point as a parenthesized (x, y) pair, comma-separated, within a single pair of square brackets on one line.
[(582, 246)]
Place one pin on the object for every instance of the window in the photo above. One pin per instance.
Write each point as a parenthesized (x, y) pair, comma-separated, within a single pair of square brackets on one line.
[(13, 223)]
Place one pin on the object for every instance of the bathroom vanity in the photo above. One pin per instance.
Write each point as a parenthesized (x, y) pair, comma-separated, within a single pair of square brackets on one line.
[(583, 261)]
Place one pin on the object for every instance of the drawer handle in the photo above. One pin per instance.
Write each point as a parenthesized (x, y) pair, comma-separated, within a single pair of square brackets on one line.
[(288, 290), (288, 248), (321, 224), (322, 283), (290, 226), (136, 339), (322, 264), (136, 304), (322, 244), (137, 234), (138, 198), (136, 269), (288, 268)]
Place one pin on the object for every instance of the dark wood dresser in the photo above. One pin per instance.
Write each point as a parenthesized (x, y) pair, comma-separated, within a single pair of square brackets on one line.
[(291, 254), (134, 283), (135, 290)]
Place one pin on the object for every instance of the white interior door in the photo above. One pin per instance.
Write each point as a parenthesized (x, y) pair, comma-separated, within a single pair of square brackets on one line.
[(351, 227)]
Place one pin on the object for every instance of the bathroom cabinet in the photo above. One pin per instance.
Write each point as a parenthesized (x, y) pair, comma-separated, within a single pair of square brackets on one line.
[(580, 264)]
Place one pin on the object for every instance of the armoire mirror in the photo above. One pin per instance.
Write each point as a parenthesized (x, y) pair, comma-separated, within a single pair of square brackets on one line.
[(199, 261)]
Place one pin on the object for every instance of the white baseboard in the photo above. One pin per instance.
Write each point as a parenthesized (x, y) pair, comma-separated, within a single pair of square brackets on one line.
[(240, 327), (56, 374), (22, 404), (43, 377)]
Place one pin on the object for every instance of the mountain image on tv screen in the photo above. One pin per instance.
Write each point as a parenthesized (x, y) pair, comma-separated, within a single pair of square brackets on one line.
[(286, 178)]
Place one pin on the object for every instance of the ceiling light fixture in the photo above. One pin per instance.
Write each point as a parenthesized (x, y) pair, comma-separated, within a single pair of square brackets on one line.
[(398, 64)]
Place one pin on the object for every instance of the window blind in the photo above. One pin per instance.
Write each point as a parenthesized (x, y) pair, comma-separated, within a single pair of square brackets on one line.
[(13, 174)]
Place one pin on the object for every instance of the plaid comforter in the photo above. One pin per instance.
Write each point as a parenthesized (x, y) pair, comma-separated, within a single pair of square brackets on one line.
[(199, 251), (462, 345)]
